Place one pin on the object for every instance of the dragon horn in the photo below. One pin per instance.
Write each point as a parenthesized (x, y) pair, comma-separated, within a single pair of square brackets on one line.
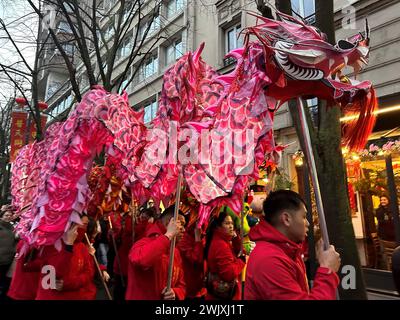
[(367, 31)]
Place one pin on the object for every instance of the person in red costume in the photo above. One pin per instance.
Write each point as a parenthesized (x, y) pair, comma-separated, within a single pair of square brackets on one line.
[(124, 240), (149, 260), (224, 261), (191, 248), (74, 265), (275, 269), (25, 280)]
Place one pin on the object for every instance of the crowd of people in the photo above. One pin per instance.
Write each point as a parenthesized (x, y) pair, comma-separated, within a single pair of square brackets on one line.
[(128, 255)]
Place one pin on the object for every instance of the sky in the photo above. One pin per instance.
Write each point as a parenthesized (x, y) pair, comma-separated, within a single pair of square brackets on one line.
[(21, 22)]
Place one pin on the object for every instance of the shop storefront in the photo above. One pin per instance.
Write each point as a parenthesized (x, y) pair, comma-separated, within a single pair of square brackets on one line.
[(373, 176)]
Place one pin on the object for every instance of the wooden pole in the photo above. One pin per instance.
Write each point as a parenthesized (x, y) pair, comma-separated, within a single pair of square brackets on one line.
[(133, 218), (173, 240), (116, 252), (242, 274), (313, 173), (310, 236), (99, 271)]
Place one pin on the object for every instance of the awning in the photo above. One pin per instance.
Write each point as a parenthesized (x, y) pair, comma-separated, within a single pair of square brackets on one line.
[(394, 132)]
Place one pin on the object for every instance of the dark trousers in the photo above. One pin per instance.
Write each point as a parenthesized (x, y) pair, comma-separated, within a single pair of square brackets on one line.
[(4, 281), (119, 289)]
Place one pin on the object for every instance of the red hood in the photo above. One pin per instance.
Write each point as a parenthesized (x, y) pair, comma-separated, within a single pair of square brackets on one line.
[(266, 232), (157, 228)]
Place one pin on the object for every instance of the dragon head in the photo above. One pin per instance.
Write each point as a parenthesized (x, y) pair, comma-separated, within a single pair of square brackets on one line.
[(301, 62)]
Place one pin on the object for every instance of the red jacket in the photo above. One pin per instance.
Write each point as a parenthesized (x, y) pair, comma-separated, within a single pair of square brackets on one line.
[(222, 260), (25, 279), (124, 237), (192, 253), (77, 269), (148, 267), (276, 271)]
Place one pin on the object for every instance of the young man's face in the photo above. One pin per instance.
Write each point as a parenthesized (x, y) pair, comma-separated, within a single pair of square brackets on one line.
[(7, 216), (298, 227)]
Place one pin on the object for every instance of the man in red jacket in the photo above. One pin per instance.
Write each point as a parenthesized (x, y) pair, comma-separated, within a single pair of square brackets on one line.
[(25, 280), (191, 248), (149, 259), (275, 269)]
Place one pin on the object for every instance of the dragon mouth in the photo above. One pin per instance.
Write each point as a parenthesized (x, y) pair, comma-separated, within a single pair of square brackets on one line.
[(336, 78), (294, 71)]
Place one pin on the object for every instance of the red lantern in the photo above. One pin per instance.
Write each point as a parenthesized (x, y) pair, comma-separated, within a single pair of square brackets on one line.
[(21, 101), (42, 105)]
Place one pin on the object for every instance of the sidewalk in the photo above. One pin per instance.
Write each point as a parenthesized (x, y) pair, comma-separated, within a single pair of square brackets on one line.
[(372, 295)]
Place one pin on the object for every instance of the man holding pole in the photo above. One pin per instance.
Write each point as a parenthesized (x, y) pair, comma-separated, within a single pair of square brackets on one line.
[(149, 260), (275, 270)]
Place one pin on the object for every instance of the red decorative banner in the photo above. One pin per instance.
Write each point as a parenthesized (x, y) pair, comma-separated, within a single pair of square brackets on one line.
[(32, 126), (18, 129)]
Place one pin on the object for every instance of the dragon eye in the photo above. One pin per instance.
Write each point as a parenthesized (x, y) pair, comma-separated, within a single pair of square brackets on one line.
[(345, 45)]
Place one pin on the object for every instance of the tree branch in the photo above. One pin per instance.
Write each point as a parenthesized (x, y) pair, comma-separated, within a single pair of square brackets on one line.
[(15, 45), (70, 67)]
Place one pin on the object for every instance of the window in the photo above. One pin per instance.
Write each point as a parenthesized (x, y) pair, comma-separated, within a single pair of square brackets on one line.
[(68, 7), (154, 26), (64, 26), (108, 4), (313, 107), (125, 48), (304, 8), (173, 6), (150, 111), (52, 89), (146, 70), (174, 51), (68, 48), (125, 82), (84, 82), (109, 32), (105, 65), (232, 38), (127, 11), (151, 67)]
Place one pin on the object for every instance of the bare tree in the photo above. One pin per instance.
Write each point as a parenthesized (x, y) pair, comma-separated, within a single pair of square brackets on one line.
[(100, 35), (21, 69), (5, 120), (127, 31)]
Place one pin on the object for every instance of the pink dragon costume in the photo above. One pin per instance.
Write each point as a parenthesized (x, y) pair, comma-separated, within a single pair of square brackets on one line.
[(223, 125)]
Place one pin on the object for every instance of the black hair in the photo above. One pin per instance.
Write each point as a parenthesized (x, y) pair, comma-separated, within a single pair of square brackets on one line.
[(149, 212), (279, 201), (384, 195), (168, 213), (91, 227), (216, 221), (2, 213)]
